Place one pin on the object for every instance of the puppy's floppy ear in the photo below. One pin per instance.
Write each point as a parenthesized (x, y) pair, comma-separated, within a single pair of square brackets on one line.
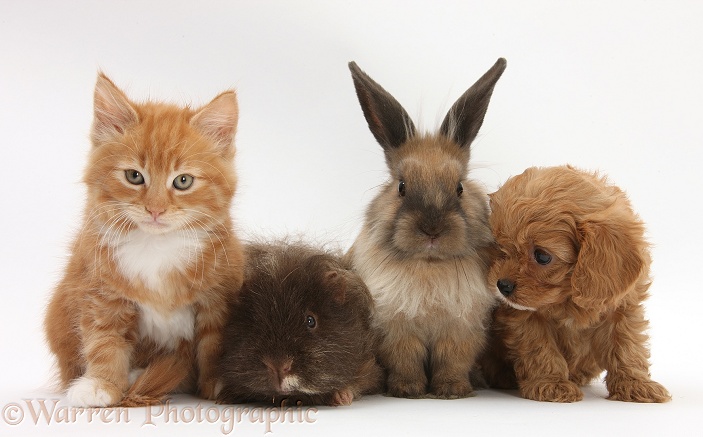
[(609, 262)]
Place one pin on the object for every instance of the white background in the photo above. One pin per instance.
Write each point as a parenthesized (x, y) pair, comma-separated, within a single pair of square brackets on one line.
[(609, 85)]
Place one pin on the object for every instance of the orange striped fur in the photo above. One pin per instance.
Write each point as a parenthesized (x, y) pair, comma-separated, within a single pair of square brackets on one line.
[(153, 266)]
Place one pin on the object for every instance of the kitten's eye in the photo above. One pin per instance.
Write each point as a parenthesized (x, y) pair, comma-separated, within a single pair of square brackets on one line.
[(183, 182), (543, 258), (401, 188), (310, 321), (134, 177), (459, 189)]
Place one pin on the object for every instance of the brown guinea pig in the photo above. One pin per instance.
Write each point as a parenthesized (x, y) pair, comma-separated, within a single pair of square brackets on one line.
[(299, 331)]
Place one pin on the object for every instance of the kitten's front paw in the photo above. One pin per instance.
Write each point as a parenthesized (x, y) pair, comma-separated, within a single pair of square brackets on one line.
[(550, 391), (93, 392), (630, 390)]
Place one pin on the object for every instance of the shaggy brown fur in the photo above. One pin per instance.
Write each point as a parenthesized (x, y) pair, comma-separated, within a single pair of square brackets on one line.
[(573, 272), (299, 331)]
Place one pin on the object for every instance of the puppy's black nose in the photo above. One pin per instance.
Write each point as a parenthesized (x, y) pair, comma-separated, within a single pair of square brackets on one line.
[(506, 287)]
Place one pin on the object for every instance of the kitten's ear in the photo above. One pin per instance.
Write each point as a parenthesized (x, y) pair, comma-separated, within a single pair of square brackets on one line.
[(465, 117), (218, 121), (113, 112)]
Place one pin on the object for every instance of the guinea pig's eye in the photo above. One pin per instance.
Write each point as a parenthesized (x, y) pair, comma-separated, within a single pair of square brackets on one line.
[(134, 177), (542, 257), (401, 188), (310, 321), (459, 189)]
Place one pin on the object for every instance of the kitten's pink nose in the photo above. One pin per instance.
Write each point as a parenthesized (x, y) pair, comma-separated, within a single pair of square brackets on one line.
[(155, 211)]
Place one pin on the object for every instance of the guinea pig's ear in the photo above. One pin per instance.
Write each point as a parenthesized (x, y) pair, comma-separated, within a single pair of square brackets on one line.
[(465, 117), (609, 262), (335, 280), (387, 119)]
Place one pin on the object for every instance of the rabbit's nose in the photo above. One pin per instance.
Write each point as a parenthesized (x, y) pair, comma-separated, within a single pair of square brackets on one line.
[(431, 226), (433, 233), (506, 287)]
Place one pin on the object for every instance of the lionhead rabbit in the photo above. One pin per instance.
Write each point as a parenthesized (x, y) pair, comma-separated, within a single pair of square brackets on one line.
[(425, 247)]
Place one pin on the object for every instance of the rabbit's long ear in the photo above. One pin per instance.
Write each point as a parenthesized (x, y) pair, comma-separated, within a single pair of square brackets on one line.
[(465, 117), (387, 120)]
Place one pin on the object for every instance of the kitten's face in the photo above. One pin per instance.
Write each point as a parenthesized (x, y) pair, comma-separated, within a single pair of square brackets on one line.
[(160, 168)]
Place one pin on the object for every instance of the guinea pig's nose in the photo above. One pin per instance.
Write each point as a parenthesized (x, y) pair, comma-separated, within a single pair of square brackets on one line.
[(506, 287)]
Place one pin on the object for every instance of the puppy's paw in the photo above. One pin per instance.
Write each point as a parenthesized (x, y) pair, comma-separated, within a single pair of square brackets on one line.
[(581, 379), (631, 390), (451, 390), (550, 391), (407, 389), (93, 392)]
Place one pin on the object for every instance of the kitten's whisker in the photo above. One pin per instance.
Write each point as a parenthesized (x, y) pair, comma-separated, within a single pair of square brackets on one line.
[(183, 153), (220, 172), (215, 222), (222, 244), (212, 244), (202, 256), (103, 237), (192, 250), (110, 156)]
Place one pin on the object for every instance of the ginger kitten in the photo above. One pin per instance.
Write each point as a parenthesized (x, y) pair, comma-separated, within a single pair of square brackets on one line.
[(140, 309)]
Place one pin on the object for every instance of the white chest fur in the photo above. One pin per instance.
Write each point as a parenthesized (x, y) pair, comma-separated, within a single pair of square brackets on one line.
[(167, 329), (149, 257)]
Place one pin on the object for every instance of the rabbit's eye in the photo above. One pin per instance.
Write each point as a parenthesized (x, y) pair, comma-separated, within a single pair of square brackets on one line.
[(542, 257), (401, 187), (459, 189)]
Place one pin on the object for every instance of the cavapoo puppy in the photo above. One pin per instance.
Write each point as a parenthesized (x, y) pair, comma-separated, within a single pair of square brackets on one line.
[(572, 274)]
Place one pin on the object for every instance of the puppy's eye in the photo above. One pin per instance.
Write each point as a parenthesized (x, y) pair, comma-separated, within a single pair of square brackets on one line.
[(542, 257), (310, 321), (401, 188), (459, 189)]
